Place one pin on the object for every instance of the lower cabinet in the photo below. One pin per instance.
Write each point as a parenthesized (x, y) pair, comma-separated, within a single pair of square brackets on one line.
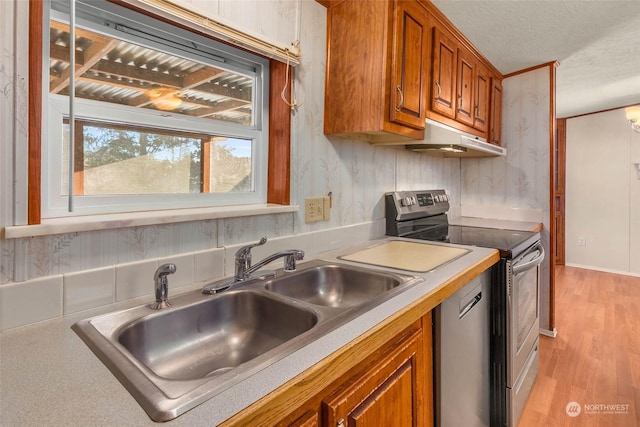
[(392, 387), (308, 419)]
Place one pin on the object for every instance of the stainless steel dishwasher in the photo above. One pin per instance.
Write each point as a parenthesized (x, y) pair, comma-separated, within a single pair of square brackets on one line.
[(461, 356)]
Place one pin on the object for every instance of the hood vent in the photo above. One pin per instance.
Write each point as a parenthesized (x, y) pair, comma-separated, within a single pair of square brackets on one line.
[(443, 140)]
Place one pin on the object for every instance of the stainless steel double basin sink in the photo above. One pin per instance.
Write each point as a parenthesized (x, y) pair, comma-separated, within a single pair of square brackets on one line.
[(173, 359)]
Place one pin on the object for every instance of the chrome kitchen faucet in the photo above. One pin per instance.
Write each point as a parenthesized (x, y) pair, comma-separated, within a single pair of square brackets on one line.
[(244, 269)]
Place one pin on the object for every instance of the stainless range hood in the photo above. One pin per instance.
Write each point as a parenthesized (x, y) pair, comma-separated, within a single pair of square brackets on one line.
[(443, 140)]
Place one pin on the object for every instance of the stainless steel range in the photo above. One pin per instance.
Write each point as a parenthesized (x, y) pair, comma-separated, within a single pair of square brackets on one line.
[(514, 294)]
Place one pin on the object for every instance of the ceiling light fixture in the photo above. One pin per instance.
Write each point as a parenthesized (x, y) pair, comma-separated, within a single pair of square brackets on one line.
[(164, 99), (633, 116)]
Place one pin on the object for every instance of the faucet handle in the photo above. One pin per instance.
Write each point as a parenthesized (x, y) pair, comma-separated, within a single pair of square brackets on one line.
[(245, 251), (290, 260)]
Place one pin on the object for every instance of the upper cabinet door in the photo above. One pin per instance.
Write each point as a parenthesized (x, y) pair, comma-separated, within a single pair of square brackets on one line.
[(495, 115), (481, 98), (409, 65), (466, 71), (445, 52)]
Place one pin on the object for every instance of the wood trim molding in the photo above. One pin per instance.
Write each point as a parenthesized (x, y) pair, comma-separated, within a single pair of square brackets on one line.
[(34, 207), (552, 191), (279, 183), (600, 111), (553, 64)]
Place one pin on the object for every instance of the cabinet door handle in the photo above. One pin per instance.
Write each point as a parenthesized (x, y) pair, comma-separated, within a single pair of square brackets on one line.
[(439, 92), (340, 423), (399, 106)]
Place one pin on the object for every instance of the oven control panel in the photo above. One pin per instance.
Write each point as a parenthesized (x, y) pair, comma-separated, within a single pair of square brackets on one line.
[(404, 205)]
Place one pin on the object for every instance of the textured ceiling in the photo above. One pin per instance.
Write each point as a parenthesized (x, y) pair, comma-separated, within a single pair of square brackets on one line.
[(596, 42)]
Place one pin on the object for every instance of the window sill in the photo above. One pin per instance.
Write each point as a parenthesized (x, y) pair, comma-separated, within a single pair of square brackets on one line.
[(136, 219)]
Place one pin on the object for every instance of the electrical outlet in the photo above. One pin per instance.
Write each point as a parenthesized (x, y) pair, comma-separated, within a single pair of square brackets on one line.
[(313, 209), (582, 241)]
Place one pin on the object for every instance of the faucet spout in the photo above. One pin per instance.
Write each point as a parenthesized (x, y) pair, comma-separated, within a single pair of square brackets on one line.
[(244, 269), (161, 286), (290, 257)]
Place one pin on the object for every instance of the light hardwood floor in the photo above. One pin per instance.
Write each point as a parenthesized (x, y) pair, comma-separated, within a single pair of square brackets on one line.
[(595, 358)]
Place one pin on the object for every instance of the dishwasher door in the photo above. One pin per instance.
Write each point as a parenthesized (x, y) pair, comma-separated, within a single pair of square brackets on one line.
[(461, 356)]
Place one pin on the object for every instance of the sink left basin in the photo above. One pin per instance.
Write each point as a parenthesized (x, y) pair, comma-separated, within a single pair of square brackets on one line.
[(214, 336), (200, 340)]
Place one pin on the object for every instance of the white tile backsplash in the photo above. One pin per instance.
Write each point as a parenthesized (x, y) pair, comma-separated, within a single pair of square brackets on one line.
[(29, 302), (209, 265), (135, 279), (89, 289), (39, 299)]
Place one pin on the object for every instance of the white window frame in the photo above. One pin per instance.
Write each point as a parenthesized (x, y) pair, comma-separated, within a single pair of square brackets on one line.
[(57, 109)]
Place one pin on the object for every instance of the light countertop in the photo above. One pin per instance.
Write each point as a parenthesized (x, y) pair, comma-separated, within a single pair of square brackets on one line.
[(49, 377)]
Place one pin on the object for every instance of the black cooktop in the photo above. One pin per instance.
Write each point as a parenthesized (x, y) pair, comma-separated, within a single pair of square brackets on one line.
[(508, 242), (422, 215)]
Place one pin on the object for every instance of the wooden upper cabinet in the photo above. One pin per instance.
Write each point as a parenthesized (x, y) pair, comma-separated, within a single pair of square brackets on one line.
[(409, 64), (464, 93), (482, 90), (377, 70), (495, 111), (393, 63), (461, 91), (445, 57)]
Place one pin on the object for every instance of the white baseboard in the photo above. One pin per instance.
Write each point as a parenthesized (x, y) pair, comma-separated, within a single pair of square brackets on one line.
[(605, 270), (548, 333)]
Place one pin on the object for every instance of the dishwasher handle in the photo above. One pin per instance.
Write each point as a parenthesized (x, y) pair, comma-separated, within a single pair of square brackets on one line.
[(519, 268), (467, 308)]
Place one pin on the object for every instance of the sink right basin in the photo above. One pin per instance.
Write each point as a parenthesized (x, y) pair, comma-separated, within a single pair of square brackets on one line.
[(334, 285)]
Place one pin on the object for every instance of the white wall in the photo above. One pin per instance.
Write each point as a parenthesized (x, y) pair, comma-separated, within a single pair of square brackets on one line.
[(603, 193)]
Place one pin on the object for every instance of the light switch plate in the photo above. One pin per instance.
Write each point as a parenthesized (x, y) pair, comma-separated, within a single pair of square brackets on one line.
[(326, 202)]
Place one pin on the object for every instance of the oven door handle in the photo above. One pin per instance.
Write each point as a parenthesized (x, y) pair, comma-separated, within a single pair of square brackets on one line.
[(531, 264)]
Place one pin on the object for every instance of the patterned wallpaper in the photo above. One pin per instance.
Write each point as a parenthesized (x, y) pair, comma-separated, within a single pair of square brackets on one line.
[(520, 181), (356, 172)]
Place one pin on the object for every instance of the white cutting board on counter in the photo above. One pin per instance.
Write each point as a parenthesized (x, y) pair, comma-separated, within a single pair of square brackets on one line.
[(410, 256)]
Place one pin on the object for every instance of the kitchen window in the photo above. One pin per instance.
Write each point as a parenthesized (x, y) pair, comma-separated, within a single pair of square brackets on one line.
[(162, 117)]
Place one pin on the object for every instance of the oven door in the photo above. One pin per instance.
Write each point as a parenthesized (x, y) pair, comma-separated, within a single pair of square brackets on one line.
[(522, 309)]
